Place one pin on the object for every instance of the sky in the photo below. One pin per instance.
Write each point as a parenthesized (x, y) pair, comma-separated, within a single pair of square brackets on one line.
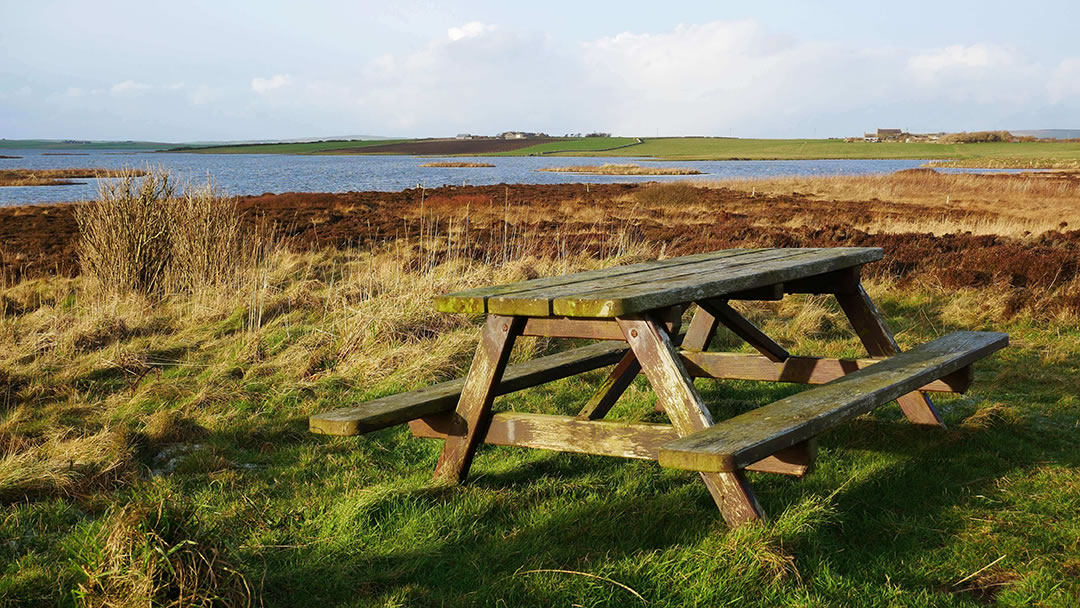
[(252, 70)]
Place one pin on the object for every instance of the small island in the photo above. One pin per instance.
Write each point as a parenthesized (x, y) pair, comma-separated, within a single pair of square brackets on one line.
[(58, 177), (456, 165), (620, 169)]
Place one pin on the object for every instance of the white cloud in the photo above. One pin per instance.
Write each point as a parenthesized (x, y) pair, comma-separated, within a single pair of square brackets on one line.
[(469, 30), (23, 91), (723, 77), (75, 92), (265, 85), (1064, 83), (128, 87), (176, 86), (957, 57), (203, 94)]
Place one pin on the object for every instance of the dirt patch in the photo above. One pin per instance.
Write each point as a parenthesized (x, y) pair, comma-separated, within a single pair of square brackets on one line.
[(450, 146)]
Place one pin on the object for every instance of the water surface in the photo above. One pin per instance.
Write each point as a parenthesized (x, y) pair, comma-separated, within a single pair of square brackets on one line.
[(275, 173)]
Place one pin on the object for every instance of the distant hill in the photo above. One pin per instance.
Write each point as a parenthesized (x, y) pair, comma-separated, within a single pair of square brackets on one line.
[(78, 144), (1050, 133), (297, 140)]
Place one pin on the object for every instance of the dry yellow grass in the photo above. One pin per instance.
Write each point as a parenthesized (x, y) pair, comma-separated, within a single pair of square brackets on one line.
[(1011, 163), (620, 169), (1006, 205), (57, 177)]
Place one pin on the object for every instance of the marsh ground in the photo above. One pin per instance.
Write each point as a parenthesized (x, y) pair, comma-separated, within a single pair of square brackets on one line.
[(157, 447)]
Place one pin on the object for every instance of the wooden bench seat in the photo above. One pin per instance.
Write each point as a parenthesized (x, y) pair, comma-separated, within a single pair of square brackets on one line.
[(403, 407), (733, 444)]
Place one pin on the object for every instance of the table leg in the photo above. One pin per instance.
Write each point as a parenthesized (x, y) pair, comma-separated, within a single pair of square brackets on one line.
[(675, 390), (474, 406), (879, 342)]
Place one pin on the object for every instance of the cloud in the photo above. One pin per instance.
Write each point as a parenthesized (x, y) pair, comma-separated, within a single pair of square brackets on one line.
[(265, 85), (203, 94), (469, 30), (128, 87), (716, 78), (1064, 84), (75, 92)]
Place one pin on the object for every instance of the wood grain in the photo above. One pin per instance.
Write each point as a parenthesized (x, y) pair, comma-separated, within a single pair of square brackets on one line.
[(402, 407), (675, 391), (799, 370), (740, 326), (871, 328), (636, 440), (722, 280), (474, 407), (475, 300), (737, 442), (538, 302), (611, 388)]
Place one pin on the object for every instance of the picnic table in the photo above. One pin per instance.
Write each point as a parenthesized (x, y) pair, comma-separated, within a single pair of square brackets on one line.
[(635, 313)]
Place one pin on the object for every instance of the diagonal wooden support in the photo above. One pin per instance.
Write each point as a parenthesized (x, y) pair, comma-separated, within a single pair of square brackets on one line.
[(612, 388), (701, 331), (675, 391), (474, 407), (879, 342), (624, 373), (746, 330)]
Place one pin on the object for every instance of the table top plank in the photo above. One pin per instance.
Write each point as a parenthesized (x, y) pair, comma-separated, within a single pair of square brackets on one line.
[(538, 302), (475, 300), (657, 294), (623, 290)]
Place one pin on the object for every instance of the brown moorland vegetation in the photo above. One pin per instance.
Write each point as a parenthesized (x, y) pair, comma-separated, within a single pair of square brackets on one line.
[(153, 448), (56, 177), (455, 165), (1015, 232), (621, 169)]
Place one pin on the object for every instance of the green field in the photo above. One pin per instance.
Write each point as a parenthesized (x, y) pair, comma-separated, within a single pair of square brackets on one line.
[(701, 148), (575, 147), (1024, 155)]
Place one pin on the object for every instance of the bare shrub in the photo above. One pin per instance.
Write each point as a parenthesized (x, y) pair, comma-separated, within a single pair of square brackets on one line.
[(141, 236), (211, 244), (157, 554), (125, 234)]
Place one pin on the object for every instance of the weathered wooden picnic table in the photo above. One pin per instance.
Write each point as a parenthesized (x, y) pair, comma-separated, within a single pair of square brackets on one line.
[(635, 312)]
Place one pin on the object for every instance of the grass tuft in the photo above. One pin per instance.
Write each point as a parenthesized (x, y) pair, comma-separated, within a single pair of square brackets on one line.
[(158, 554)]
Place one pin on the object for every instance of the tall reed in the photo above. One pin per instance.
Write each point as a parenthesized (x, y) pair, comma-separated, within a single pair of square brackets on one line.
[(141, 235)]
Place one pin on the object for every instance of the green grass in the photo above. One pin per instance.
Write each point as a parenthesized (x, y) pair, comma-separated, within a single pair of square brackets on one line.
[(892, 515), (714, 148), (687, 148), (314, 147)]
